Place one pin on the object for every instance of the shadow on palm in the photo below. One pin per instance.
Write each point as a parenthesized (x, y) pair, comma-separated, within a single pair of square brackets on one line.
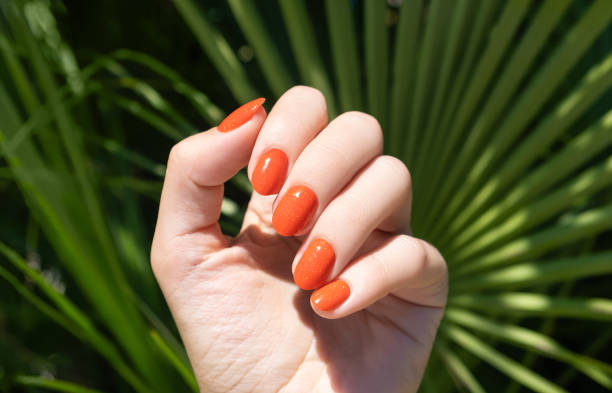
[(390, 336)]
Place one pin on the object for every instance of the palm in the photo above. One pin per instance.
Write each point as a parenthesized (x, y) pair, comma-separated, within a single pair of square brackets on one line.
[(244, 319)]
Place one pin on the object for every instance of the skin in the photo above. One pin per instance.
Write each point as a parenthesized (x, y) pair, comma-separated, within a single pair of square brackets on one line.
[(245, 324)]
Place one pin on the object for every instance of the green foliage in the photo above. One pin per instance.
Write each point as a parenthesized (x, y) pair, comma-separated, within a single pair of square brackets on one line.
[(501, 110)]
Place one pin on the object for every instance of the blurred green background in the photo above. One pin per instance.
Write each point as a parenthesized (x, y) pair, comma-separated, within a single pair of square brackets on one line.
[(501, 109)]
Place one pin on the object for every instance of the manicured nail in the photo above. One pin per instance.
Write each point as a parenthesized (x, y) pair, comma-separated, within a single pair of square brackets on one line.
[(240, 115), (331, 296), (270, 171), (294, 210), (315, 265)]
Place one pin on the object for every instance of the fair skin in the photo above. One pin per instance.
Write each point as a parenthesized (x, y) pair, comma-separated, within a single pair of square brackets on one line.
[(245, 324)]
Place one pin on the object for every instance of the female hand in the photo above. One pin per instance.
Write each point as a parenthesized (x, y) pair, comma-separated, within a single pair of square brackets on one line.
[(335, 218)]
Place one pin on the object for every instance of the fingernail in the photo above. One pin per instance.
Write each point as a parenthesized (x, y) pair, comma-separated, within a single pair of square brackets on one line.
[(331, 296), (294, 210), (315, 265), (270, 171), (240, 115)]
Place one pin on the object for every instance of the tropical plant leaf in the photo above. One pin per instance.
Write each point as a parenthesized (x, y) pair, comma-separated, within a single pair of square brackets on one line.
[(407, 42), (501, 110), (533, 341), (344, 53), (593, 85), (458, 368), (498, 360), (176, 361), (268, 56), (501, 37), (515, 70), (68, 316), (303, 43), (485, 17), (429, 58), (558, 65), (52, 384), (376, 45), (450, 53), (538, 304), (528, 274), (218, 50)]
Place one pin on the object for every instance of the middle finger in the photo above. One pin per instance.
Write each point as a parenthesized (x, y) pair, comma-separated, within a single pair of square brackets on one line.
[(323, 168)]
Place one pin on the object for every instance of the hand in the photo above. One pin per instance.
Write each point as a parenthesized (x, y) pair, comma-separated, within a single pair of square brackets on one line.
[(341, 220)]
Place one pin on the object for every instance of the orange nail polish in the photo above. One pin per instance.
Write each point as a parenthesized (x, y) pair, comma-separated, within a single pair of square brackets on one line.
[(331, 296), (240, 115), (294, 211), (315, 265), (270, 171)]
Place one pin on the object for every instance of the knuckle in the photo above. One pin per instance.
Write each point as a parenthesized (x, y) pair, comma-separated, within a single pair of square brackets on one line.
[(178, 154), (368, 123), (425, 261), (397, 170), (368, 127), (311, 94), (332, 155), (416, 251), (362, 117), (382, 270)]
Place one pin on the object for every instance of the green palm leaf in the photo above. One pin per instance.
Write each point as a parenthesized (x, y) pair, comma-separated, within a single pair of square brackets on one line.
[(501, 110)]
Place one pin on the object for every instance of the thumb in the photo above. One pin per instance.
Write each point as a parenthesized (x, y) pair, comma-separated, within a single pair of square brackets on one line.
[(191, 198)]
